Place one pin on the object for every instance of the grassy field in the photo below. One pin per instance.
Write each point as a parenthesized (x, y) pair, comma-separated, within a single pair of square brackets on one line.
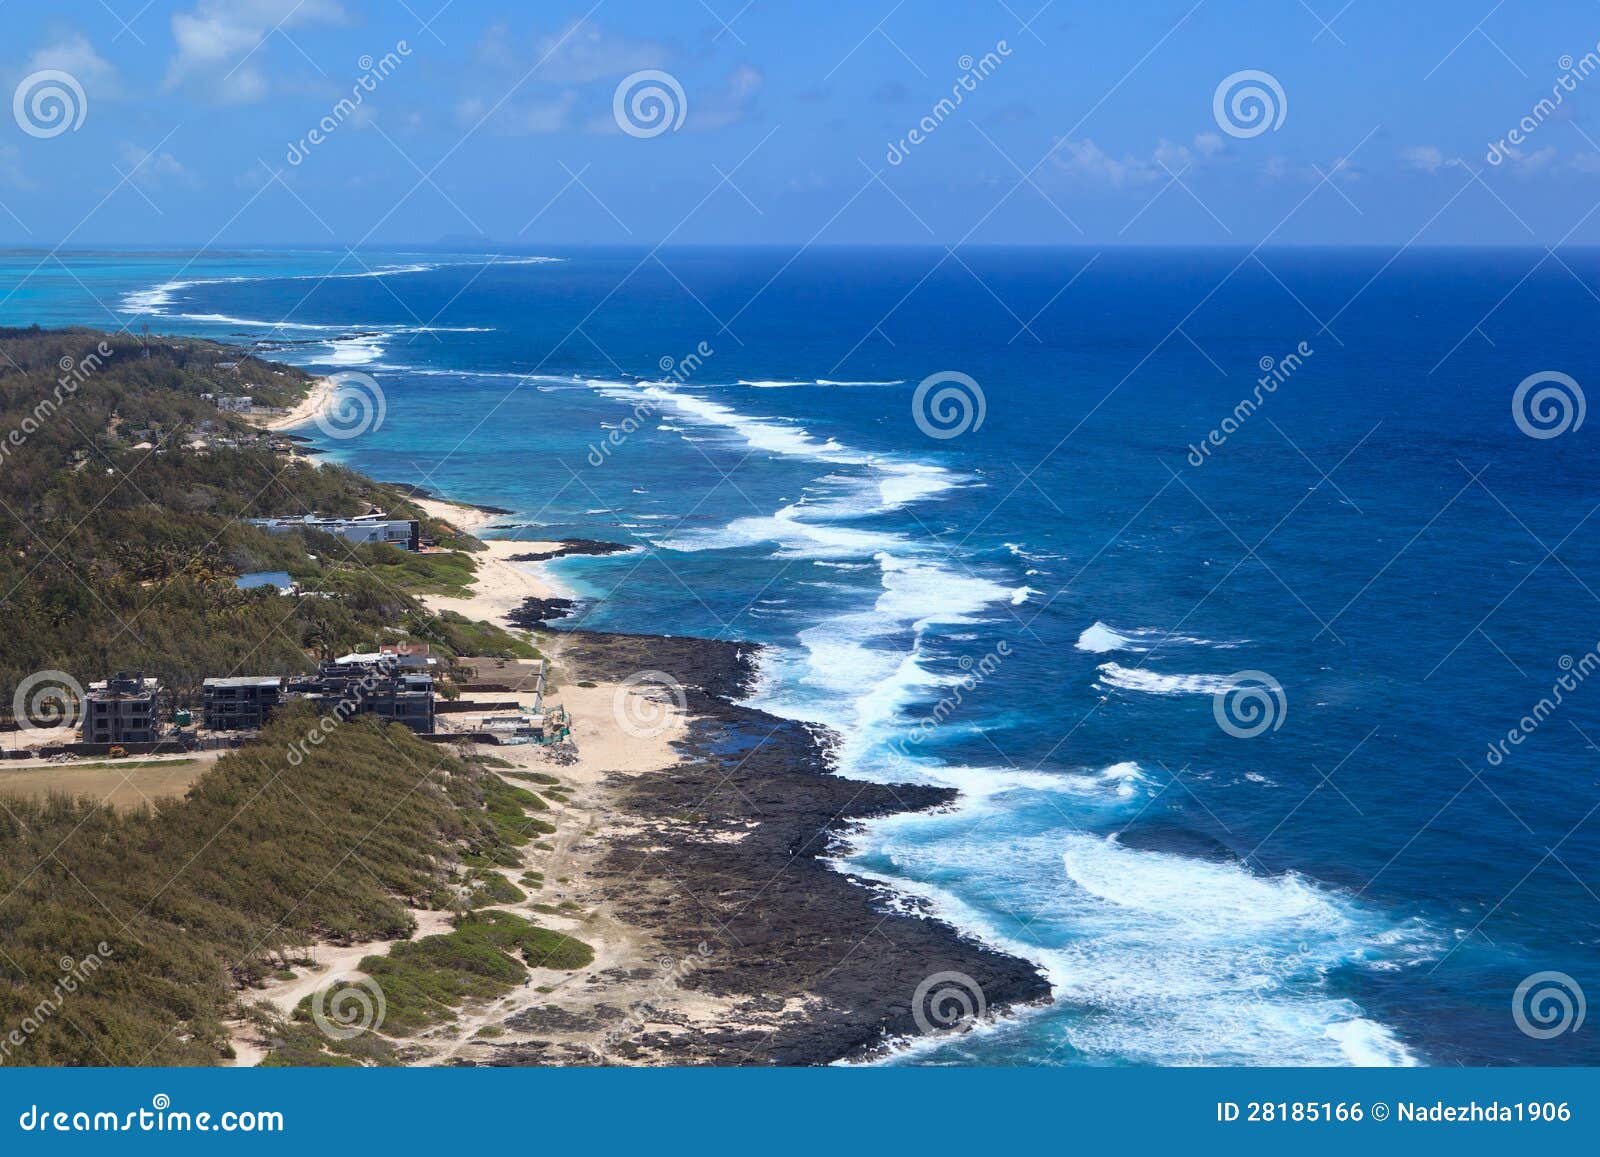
[(263, 856), (123, 783)]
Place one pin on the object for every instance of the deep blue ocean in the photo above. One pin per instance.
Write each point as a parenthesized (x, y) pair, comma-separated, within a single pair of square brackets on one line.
[(1047, 610)]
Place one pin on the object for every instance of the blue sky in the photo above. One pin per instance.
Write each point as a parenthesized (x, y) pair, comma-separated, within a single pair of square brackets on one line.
[(1090, 124)]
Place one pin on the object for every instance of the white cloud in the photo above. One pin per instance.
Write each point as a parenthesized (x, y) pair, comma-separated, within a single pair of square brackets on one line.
[(1339, 170), (1087, 161), (221, 44), (528, 118), (727, 105), (583, 52), (1427, 159), (75, 55), (149, 169), (549, 76), (1538, 160), (11, 174)]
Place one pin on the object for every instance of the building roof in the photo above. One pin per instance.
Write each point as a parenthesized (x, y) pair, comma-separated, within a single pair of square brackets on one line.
[(264, 578), (363, 657), (125, 685), (246, 681)]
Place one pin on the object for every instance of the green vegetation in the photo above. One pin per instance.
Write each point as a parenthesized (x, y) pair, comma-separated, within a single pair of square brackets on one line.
[(507, 808), (122, 531), (490, 887), (423, 981), (119, 764), (538, 777), (229, 885), (126, 492), (302, 1044)]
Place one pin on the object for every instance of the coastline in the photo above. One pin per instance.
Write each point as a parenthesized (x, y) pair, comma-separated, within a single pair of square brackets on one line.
[(698, 860), (765, 952), (501, 585), (318, 399)]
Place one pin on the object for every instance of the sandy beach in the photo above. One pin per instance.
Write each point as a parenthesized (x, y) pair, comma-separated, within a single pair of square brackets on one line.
[(317, 399), (602, 750), (501, 586), (692, 855)]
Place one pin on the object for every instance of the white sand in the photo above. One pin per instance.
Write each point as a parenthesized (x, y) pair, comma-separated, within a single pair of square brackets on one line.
[(467, 519), (621, 950), (501, 585), (305, 410), (631, 969)]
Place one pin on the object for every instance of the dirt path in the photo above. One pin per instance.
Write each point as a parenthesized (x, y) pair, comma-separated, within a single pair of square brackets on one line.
[(581, 1015)]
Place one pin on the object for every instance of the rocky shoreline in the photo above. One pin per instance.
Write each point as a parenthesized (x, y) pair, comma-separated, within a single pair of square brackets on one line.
[(722, 860), (566, 546)]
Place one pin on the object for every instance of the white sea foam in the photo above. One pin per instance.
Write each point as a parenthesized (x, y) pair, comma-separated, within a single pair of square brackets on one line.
[(1101, 638), (899, 482), (784, 383), (1156, 683), (357, 350), (1158, 958), (155, 298)]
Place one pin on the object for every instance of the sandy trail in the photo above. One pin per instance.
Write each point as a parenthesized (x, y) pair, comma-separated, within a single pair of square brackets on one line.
[(598, 1005)]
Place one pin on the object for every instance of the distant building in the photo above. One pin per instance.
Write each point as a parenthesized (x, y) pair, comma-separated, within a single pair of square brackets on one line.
[(406, 658), (371, 684), (122, 709), (241, 703), (277, 579), (236, 403), (402, 532)]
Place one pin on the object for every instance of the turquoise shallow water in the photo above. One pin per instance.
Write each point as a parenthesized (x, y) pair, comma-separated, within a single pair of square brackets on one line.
[(1043, 610)]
